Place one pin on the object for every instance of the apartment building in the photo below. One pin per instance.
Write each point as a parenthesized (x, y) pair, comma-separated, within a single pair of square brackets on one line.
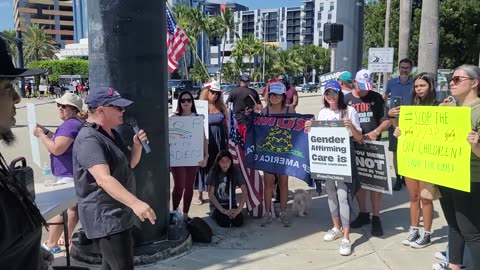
[(285, 25), (54, 15)]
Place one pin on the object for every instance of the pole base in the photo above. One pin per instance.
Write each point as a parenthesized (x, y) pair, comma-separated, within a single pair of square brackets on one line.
[(85, 250)]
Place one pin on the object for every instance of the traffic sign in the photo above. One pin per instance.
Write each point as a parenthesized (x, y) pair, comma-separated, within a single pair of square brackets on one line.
[(380, 60)]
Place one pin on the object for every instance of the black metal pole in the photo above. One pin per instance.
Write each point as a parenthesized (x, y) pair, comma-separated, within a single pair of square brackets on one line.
[(127, 51), (20, 62)]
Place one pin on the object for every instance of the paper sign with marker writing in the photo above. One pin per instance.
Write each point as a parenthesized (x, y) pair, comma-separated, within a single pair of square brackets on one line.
[(202, 109), (32, 123), (186, 138), (433, 145)]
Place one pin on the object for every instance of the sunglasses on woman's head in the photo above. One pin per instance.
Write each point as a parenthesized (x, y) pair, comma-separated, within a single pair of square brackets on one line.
[(459, 79), (185, 100), (214, 92)]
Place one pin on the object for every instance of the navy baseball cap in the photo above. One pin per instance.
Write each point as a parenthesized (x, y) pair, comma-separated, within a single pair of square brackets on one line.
[(102, 96), (245, 78)]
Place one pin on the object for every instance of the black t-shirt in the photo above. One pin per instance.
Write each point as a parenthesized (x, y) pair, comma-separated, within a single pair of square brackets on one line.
[(371, 110), (100, 214), (19, 243), (221, 192), (237, 97)]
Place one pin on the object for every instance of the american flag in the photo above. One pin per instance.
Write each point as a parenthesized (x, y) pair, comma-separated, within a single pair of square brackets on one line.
[(253, 179), (176, 42)]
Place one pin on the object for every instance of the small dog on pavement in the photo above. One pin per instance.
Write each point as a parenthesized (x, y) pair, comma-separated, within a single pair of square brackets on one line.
[(302, 201)]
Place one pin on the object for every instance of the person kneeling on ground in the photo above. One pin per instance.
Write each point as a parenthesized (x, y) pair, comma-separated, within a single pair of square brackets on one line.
[(222, 181)]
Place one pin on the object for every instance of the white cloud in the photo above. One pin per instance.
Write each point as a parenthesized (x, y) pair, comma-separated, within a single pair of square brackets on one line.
[(5, 4)]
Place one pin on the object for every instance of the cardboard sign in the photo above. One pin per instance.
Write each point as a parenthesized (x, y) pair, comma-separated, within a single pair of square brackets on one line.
[(373, 166), (330, 156), (186, 138), (202, 109), (433, 145)]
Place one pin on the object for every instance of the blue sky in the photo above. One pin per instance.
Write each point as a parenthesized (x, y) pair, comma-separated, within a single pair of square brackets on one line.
[(6, 14), (6, 8)]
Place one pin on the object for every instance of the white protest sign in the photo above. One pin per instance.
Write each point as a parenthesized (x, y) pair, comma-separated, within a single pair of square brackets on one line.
[(380, 60), (202, 109), (330, 156), (186, 138), (32, 123)]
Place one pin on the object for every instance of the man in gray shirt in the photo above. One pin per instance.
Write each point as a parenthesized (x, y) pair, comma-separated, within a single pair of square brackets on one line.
[(104, 180)]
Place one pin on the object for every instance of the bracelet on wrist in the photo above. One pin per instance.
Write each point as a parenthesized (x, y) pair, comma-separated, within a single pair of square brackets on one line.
[(46, 131)]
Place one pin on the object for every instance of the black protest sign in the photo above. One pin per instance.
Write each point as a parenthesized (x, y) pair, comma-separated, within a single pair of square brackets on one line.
[(373, 166)]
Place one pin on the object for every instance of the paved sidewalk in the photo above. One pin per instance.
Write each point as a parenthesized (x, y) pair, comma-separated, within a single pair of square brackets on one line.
[(299, 247)]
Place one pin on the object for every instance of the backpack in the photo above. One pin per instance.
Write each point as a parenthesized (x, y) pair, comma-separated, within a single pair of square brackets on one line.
[(200, 230), (23, 174)]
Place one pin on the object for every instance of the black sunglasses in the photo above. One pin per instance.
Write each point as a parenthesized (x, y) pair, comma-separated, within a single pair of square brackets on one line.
[(215, 92), (185, 100), (118, 108), (62, 106)]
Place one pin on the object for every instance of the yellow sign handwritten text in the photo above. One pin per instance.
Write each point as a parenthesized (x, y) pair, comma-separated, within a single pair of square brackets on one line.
[(433, 146)]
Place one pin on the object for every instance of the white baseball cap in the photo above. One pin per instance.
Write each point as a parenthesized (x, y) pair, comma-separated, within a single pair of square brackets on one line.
[(364, 79)]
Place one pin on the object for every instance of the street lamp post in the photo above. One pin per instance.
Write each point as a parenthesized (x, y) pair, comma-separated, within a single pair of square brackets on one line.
[(264, 46)]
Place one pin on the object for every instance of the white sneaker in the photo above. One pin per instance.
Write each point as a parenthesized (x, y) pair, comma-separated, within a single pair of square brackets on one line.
[(345, 247), (441, 255), (333, 234)]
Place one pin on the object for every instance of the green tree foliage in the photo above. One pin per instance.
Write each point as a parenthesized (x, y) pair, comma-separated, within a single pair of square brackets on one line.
[(63, 67), (38, 45), (11, 47), (459, 30)]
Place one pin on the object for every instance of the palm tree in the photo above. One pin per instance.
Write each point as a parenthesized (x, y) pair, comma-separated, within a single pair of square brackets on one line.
[(225, 23), (405, 25), (193, 22), (428, 43), (38, 45), (248, 47), (288, 62), (11, 47)]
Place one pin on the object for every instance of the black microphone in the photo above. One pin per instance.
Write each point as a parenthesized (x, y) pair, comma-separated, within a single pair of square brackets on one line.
[(129, 120)]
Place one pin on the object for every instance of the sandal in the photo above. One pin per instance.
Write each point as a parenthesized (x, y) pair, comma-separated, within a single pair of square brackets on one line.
[(198, 202), (51, 250)]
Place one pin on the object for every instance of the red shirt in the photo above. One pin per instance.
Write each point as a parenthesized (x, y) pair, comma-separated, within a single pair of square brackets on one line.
[(291, 92)]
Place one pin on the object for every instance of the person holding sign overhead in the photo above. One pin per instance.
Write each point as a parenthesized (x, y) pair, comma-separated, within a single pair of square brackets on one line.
[(423, 94), (340, 193), (184, 177), (371, 110), (461, 208)]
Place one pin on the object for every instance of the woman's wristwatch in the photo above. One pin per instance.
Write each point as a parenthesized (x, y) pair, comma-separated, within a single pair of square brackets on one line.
[(46, 131)]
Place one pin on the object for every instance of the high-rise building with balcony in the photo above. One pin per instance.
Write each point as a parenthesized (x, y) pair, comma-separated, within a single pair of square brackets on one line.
[(55, 16)]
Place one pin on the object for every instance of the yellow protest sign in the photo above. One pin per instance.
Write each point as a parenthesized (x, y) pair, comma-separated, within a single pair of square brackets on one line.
[(433, 145)]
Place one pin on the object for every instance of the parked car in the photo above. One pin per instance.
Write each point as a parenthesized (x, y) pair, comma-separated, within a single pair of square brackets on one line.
[(299, 87), (183, 85), (258, 86), (309, 88), (226, 89)]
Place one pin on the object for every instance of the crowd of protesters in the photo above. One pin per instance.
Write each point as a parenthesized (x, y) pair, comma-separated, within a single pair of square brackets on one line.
[(88, 151)]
